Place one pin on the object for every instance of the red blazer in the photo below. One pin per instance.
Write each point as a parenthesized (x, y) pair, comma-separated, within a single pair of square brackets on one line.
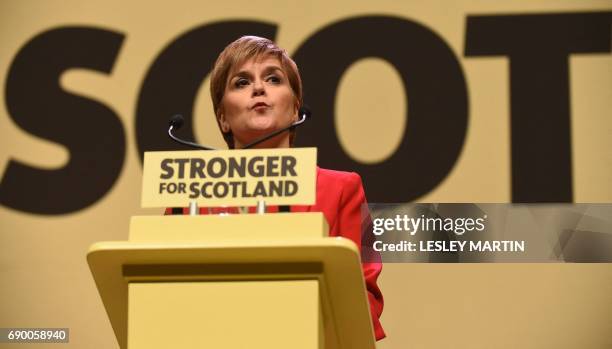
[(340, 197)]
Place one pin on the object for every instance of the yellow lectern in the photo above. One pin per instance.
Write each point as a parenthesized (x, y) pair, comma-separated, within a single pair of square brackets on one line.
[(233, 281)]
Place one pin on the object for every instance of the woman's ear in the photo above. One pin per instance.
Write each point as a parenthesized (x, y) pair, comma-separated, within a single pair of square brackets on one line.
[(296, 110), (225, 127)]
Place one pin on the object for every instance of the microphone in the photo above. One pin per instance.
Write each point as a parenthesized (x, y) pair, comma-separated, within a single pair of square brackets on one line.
[(304, 113), (177, 121)]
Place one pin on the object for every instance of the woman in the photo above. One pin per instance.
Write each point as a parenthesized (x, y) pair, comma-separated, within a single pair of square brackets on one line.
[(256, 89)]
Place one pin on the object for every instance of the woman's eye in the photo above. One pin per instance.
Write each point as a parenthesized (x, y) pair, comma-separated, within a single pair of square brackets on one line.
[(241, 82), (274, 79)]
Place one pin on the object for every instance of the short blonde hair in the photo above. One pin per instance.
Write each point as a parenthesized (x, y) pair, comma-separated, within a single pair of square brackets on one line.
[(240, 51)]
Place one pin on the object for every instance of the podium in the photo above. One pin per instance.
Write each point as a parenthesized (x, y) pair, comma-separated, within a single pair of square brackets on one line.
[(233, 281)]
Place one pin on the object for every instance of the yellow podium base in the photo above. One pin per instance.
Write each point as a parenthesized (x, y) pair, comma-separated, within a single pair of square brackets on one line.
[(239, 314)]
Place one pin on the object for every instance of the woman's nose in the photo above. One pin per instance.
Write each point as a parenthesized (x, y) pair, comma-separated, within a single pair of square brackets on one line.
[(258, 88)]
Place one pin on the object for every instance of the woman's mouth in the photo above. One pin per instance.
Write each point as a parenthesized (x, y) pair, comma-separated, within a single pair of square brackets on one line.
[(259, 106)]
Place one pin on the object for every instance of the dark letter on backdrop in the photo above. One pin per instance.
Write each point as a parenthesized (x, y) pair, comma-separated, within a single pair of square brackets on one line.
[(539, 47), (91, 131), (434, 83)]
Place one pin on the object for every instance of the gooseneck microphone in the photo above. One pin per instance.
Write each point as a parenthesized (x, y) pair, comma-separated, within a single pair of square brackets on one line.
[(303, 113), (177, 121)]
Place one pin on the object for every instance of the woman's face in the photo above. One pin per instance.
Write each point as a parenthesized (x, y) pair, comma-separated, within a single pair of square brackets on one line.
[(258, 100)]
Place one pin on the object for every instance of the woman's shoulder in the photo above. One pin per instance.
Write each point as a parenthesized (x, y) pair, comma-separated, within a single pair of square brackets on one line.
[(338, 177), (343, 189)]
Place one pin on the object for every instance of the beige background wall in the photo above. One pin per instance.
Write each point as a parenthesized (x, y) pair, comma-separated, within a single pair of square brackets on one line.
[(45, 280)]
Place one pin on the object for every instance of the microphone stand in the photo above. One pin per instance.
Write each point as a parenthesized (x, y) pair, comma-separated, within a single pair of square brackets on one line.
[(304, 115), (177, 121), (178, 140)]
